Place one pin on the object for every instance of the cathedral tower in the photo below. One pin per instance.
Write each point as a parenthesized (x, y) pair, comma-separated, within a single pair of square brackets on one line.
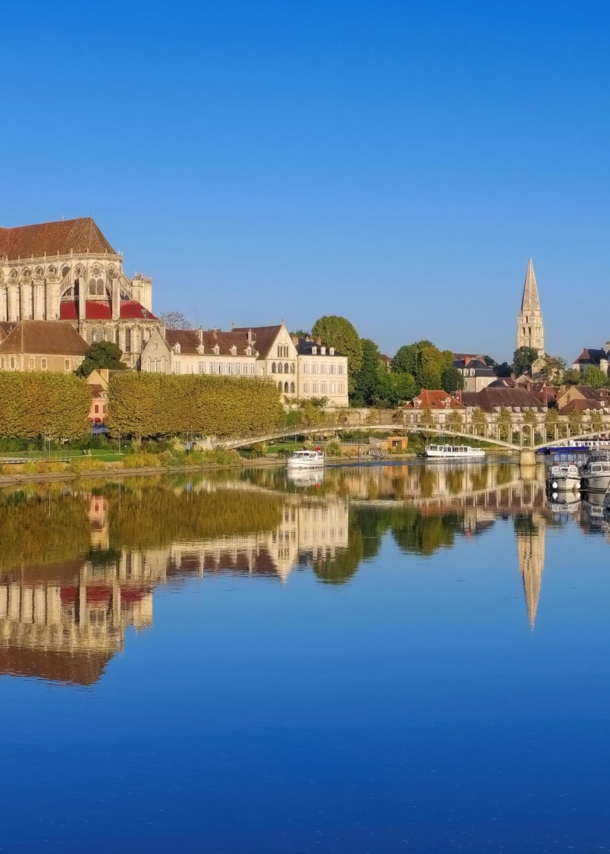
[(530, 329)]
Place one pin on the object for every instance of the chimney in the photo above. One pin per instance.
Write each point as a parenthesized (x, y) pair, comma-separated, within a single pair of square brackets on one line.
[(250, 337), (200, 334), (215, 332)]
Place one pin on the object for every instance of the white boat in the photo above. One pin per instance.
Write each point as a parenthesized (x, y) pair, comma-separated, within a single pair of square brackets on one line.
[(454, 452), (305, 477), (306, 460), (596, 474), (564, 477)]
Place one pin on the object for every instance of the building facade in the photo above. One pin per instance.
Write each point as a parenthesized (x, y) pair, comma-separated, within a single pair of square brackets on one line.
[(68, 271), (195, 351), (530, 327), (38, 345)]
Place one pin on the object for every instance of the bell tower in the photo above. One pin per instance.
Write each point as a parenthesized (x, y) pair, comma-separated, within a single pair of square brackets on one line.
[(530, 328)]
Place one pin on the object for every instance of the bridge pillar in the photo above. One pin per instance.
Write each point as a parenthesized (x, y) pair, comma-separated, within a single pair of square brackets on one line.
[(527, 457)]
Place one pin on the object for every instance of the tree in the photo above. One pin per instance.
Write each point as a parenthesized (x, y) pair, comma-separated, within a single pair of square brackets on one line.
[(597, 421), (175, 320), (572, 377), (594, 377), (101, 354), (452, 380), (479, 421), (368, 388), (523, 360), (299, 333), (551, 420), (455, 421), (504, 422), (405, 360), (575, 422), (339, 333), (429, 370)]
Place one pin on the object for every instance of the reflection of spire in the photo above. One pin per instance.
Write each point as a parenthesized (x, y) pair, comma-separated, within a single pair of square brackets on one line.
[(530, 551)]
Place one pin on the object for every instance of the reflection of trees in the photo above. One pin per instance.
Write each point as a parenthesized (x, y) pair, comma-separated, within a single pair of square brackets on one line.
[(150, 518), (427, 482), (425, 534), (37, 530), (341, 567)]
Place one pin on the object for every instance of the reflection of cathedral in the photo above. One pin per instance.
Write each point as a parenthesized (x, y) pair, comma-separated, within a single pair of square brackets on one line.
[(530, 550), (64, 622)]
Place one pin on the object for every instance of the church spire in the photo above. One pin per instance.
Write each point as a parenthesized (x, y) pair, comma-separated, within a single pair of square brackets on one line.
[(530, 300), (530, 328)]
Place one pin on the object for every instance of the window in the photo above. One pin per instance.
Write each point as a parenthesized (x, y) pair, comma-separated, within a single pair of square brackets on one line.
[(286, 368), (306, 368), (306, 388), (323, 388), (32, 363), (314, 368), (96, 409), (323, 368), (341, 388), (292, 367), (43, 364), (253, 370), (88, 336), (66, 364), (291, 388), (117, 338), (332, 388), (202, 367), (339, 369), (279, 367), (314, 388), (177, 366), (163, 364), (147, 368), (286, 388), (279, 385), (244, 368), (128, 340), (273, 368), (331, 369), (314, 350)]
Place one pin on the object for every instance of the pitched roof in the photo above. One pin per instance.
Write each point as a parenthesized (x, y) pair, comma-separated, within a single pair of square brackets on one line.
[(6, 326), (264, 336), (190, 339), (491, 398), (305, 347), (434, 399), (77, 235), (481, 368), (44, 337), (582, 405), (131, 309), (590, 356), (530, 300)]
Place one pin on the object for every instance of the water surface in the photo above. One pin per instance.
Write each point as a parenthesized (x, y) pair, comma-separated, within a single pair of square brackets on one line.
[(379, 659)]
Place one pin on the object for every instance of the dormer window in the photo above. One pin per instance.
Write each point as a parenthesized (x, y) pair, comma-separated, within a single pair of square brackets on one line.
[(314, 351), (176, 348), (323, 351), (234, 350), (331, 351), (216, 349), (200, 349), (248, 351)]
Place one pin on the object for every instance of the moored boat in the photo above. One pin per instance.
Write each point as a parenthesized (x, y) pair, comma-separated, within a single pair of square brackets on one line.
[(596, 473), (564, 477), (453, 452), (306, 459)]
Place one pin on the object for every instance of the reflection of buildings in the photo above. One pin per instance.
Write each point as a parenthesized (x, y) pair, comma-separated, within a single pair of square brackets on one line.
[(64, 622), (531, 533)]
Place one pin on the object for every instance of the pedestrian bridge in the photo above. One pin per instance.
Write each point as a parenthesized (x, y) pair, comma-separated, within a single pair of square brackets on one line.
[(489, 433)]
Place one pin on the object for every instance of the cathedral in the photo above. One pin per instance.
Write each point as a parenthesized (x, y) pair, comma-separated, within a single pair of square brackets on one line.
[(530, 329), (68, 270)]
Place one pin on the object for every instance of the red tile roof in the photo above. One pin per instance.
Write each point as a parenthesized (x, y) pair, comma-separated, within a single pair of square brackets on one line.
[(44, 337), (131, 309), (433, 399), (79, 235)]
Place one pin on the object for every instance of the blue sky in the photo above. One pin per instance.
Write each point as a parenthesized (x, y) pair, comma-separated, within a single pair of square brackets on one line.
[(394, 162)]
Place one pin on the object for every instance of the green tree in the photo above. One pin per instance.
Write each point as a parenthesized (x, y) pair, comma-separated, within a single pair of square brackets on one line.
[(368, 382), (597, 421), (479, 421), (575, 422), (594, 377), (505, 422), (452, 380), (455, 421), (551, 420), (405, 360), (429, 370), (101, 354), (523, 360), (339, 333), (572, 377)]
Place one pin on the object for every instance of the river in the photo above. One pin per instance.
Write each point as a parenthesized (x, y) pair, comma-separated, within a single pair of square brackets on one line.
[(373, 659)]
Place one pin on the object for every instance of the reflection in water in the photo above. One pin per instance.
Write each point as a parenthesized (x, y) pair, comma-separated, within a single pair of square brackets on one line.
[(79, 566)]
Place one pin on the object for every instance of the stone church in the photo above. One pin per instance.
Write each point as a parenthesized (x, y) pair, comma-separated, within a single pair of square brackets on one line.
[(530, 328), (68, 271)]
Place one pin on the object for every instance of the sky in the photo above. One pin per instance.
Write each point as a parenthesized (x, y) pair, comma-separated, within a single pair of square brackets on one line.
[(392, 162)]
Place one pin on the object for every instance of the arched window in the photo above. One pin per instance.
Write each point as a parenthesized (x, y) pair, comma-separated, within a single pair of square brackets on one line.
[(148, 364), (162, 364), (286, 387), (273, 368), (292, 368), (279, 367), (286, 368), (291, 388), (117, 338), (98, 334), (128, 340), (279, 385), (92, 287), (100, 287)]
